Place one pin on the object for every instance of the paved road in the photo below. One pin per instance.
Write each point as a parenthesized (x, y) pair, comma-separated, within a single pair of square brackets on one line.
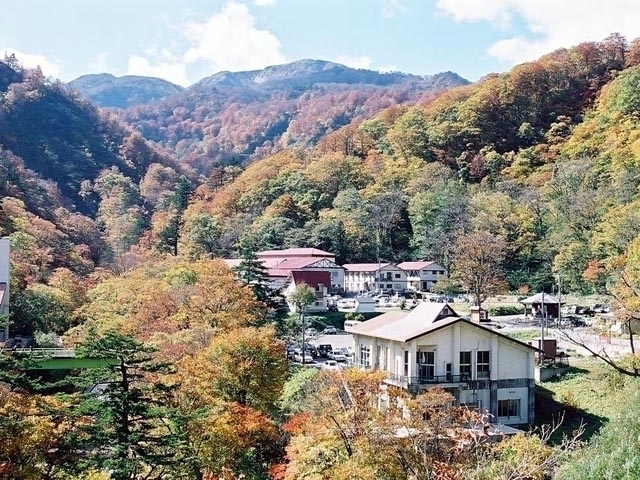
[(568, 337)]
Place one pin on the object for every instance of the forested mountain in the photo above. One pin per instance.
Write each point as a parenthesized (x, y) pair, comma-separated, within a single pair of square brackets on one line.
[(235, 117), (105, 90), (77, 186), (115, 242)]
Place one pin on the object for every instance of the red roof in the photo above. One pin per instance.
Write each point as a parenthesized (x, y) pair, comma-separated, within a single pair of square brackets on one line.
[(311, 278)]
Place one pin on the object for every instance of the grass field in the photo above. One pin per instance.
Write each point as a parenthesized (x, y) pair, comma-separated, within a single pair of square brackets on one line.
[(589, 393)]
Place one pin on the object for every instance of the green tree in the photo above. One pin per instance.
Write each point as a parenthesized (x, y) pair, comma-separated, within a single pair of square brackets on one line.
[(252, 272), (131, 435)]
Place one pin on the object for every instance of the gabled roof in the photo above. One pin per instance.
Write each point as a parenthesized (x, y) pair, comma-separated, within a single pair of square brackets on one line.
[(295, 252), (537, 298), (400, 325), (311, 278), (365, 267), (415, 265), (426, 318)]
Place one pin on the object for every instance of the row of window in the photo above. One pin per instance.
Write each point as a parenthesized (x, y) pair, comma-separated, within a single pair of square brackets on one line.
[(387, 275), (426, 362)]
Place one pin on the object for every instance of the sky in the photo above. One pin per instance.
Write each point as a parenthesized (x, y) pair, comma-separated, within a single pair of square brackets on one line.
[(184, 41)]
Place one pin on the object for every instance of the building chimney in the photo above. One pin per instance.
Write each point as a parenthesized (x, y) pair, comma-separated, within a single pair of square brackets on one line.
[(477, 314)]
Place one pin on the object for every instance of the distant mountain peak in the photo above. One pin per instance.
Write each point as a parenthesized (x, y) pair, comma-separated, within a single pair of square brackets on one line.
[(107, 90)]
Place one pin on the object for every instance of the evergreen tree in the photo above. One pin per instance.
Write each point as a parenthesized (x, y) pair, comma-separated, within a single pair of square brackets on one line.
[(132, 434), (252, 272)]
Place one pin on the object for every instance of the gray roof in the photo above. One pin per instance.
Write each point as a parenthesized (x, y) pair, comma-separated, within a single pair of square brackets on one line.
[(537, 298), (403, 326), (427, 317)]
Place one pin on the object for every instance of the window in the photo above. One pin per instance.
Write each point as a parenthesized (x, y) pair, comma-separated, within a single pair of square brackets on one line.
[(365, 355), (482, 364), (447, 371), (397, 275), (465, 364), (426, 365), (509, 408), (406, 363)]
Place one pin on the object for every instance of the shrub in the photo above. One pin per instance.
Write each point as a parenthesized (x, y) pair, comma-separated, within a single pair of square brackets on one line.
[(498, 310)]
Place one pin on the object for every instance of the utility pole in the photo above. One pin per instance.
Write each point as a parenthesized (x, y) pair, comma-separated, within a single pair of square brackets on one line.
[(543, 318), (559, 300)]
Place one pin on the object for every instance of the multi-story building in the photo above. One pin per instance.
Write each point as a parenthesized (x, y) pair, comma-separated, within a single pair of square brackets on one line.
[(422, 276), (432, 345), (385, 276)]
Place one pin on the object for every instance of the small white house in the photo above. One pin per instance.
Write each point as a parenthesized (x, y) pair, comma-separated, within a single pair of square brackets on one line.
[(431, 345)]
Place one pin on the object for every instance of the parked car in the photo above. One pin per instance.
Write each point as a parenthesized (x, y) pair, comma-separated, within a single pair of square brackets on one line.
[(330, 331), (337, 355), (308, 358), (311, 332), (331, 365), (323, 349)]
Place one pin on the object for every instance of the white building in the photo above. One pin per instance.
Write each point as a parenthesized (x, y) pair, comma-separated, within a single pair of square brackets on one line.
[(422, 276), (432, 345), (318, 281), (373, 276)]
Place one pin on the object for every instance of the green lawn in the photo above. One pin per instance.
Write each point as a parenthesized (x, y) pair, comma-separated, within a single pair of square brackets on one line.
[(589, 393)]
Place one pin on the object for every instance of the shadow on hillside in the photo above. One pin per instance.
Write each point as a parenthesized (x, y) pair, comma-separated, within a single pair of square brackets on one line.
[(550, 410), (568, 373)]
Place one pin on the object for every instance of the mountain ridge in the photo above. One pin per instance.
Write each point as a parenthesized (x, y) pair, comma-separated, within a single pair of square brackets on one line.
[(231, 116)]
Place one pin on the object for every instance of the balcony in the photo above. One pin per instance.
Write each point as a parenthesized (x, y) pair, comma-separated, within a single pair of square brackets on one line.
[(449, 380)]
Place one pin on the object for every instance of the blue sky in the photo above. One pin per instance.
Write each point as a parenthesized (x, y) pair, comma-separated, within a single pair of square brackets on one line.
[(184, 41)]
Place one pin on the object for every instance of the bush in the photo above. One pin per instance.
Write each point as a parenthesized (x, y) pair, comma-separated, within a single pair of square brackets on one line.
[(498, 310)]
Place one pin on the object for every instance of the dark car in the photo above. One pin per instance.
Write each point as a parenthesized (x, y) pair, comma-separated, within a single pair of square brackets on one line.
[(323, 350)]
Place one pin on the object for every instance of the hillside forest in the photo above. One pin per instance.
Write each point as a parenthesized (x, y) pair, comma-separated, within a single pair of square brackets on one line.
[(118, 218)]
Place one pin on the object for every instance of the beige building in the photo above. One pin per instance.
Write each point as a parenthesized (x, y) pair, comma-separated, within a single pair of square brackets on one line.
[(432, 345)]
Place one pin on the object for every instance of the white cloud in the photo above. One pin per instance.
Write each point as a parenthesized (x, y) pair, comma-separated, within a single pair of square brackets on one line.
[(229, 40), (49, 67), (391, 7), (172, 71), (548, 24), (361, 61), (99, 64), (265, 3)]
